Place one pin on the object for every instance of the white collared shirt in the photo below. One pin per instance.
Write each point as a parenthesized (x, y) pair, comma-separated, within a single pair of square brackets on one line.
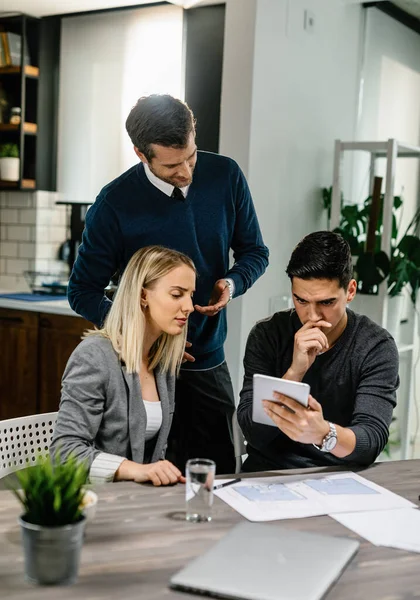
[(167, 189), (164, 187)]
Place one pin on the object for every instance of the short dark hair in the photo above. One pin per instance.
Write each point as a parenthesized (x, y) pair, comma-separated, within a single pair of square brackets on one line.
[(159, 119), (322, 255)]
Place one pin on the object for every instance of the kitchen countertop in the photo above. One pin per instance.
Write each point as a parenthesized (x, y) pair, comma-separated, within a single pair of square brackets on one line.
[(53, 307)]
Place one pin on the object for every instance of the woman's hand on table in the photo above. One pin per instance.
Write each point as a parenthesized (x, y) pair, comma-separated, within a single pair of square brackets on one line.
[(162, 472)]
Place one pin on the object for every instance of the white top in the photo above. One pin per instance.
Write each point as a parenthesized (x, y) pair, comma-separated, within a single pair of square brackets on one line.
[(154, 418), (106, 465), (164, 187)]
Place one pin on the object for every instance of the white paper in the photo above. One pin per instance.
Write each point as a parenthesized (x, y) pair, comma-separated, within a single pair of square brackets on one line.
[(397, 528), (293, 497)]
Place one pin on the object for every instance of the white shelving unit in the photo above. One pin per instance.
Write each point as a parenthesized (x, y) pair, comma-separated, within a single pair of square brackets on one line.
[(391, 150)]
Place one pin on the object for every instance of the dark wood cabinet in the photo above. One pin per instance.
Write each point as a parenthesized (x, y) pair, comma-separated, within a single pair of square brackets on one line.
[(35, 348), (58, 337), (19, 363)]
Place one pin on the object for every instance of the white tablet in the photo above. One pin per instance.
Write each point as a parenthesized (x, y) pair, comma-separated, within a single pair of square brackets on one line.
[(264, 386)]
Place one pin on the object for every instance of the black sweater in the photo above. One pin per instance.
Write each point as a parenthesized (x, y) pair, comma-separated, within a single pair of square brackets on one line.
[(355, 382)]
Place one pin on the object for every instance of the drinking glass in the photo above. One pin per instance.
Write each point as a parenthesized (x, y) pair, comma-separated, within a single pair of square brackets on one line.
[(199, 489)]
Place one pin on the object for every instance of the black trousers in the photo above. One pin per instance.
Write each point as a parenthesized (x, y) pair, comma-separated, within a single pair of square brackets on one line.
[(202, 424)]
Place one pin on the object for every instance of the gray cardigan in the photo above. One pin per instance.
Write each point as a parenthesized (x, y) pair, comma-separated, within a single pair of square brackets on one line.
[(101, 408)]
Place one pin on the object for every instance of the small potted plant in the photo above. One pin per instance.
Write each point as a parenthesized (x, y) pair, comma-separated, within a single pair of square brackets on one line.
[(9, 162), (52, 523)]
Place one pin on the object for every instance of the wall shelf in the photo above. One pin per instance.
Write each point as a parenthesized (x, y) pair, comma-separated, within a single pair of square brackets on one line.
[(405, 348), (29, 71), (24, 184), (29, 128), (34, 89)]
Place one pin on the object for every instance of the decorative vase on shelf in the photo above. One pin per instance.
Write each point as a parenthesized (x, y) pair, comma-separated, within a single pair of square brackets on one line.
[(9, 169)]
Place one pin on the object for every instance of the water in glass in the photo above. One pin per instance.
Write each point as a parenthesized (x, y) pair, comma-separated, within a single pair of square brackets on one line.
[(199, 489)]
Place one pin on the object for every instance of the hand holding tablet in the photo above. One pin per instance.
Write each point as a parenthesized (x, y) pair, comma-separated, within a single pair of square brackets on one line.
[(264, 388)]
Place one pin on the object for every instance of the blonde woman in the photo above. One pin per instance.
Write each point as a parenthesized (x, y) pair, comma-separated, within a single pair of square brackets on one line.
[(117, 397)]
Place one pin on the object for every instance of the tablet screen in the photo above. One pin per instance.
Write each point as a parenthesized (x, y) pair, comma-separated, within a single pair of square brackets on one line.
[(264, 387)]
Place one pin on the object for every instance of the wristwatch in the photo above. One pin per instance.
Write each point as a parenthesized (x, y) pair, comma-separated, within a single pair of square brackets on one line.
[(230, 285), (330, 440)]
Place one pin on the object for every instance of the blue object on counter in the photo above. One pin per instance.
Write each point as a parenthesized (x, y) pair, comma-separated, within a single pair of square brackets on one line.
[(27, 296)]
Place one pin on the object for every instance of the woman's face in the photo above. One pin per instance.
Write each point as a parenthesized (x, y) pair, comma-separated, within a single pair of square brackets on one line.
[(168, 304)]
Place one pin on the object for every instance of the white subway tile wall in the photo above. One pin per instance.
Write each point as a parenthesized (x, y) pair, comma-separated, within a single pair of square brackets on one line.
[(10, 215), (27, 216), (32, 227), (11, 250), (24, 250), (18, 233)]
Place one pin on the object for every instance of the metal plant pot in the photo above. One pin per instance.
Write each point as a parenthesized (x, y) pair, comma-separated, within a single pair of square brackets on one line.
[(52, 554)]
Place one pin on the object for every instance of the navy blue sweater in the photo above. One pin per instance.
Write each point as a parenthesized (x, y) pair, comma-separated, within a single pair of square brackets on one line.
[(217, 214)]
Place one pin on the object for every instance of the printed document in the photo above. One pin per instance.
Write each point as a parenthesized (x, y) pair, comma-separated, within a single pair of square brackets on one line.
[(297, 496), (397, 528)]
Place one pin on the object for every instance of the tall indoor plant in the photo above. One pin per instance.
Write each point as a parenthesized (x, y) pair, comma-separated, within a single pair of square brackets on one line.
[(400, 267), (405, 261), (52, 523)]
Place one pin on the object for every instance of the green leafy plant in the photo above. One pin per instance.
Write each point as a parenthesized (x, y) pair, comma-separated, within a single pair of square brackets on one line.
[(9, 151), (405, 262), (52, 491), (401, 266)]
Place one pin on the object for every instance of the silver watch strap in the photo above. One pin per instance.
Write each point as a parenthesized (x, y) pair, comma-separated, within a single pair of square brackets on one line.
[(332, 433)]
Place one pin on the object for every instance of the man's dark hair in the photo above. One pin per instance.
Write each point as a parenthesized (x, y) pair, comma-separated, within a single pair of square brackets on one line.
[(322, 255), (159, 119)]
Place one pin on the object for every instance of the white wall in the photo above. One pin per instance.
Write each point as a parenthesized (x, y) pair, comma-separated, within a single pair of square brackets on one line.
[(304, 95), (391, 98), (107, 62)]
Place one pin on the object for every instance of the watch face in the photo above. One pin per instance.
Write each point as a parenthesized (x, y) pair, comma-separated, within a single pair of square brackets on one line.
[(330, 443)]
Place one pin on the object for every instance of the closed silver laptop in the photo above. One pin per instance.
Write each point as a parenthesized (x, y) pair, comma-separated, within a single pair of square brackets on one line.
[(267, 562)]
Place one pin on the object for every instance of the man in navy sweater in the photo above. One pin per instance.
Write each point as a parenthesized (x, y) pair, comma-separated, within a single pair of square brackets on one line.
[(198, 203)]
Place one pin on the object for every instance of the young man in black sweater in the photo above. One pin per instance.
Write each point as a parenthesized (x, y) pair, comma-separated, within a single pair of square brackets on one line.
[(350, 362)]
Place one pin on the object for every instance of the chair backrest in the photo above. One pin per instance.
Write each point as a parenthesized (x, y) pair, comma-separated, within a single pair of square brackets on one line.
[(238, 443), (23, 440)]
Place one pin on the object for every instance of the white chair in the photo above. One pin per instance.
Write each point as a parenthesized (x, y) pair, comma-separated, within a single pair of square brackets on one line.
[(238, 443), (23, 440)]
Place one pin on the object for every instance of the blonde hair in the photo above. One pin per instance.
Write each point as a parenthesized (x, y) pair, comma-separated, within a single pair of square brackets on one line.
[(125, 323)]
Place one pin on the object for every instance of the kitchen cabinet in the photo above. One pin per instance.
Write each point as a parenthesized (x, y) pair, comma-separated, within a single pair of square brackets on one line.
[(18, 364), (35, 350), (58, 337)]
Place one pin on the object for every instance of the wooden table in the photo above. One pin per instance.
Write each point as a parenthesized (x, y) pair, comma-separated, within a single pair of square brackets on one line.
[(139, 538)]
